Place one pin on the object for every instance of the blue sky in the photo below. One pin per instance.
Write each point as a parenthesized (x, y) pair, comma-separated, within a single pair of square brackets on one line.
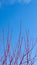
[(14, 11)]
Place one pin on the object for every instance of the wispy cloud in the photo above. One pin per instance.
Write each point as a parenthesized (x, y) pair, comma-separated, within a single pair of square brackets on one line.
[(0, 4), (24, 1), (11, 2)]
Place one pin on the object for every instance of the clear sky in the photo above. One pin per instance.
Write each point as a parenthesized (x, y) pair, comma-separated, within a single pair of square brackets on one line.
[(14, 11)]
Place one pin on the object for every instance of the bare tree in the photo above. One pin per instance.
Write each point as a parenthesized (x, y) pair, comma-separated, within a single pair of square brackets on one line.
[(17, 57)]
